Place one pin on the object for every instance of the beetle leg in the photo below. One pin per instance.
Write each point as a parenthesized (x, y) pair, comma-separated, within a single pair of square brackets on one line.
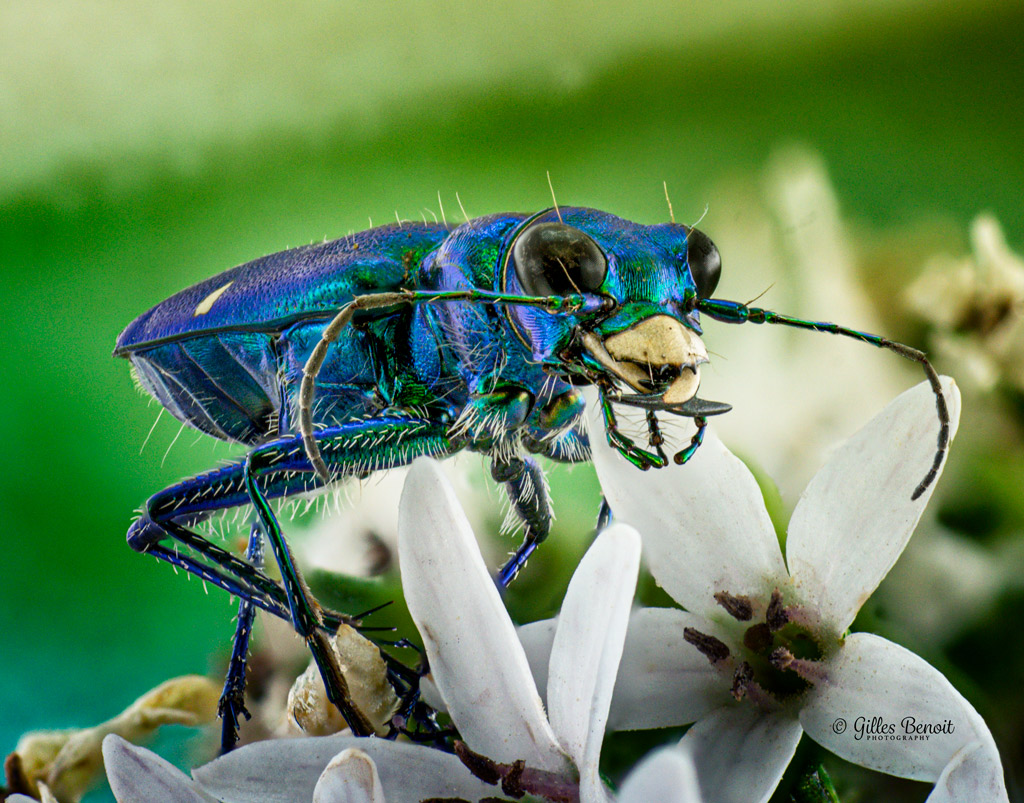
[(640, 458), (232, 699), (604, 515), (570, 305), (282, 469), (528, 491), (684, 455), (305, 611)]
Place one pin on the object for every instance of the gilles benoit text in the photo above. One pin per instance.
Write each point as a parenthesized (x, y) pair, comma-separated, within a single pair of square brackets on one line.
[(908, 729)]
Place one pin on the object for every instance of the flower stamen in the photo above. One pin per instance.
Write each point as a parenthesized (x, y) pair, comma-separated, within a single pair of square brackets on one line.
[(739, 608), (742, 678), (517, 779), (777, 616), (715, 650)]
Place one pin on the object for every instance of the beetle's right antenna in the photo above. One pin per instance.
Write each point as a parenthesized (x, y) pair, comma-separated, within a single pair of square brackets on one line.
[(671, 214), (734, 312)]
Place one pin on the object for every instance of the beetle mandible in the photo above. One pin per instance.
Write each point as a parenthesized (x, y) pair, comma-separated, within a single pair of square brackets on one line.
[(346, 357)]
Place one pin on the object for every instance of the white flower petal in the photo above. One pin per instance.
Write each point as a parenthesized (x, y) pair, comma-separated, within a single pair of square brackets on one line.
[(287, 770), (138, 775), (588, 645), (872, 678), (351, 777), (20, 799), (970, 776), (663, 680), (475, 658), (856, 516), (741, 752), (537, 638), (666, 776), (704, 524)]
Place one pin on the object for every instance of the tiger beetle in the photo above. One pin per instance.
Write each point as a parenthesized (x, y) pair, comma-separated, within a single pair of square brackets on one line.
[(347, 357)]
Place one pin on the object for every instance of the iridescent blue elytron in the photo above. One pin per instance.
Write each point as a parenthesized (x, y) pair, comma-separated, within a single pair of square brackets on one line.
[(347, 357)]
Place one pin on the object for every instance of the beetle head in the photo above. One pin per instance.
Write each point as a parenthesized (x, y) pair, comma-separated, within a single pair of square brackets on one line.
[(644, 331)]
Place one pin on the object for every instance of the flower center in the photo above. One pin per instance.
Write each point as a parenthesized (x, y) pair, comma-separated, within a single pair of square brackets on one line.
[(779, 656)]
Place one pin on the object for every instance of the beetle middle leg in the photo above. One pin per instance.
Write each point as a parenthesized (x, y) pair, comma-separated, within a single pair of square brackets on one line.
[(305, 611), (528, 491)]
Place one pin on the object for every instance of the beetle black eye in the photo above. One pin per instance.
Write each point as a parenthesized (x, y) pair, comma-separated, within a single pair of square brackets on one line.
[(553, 259), (704, 261)]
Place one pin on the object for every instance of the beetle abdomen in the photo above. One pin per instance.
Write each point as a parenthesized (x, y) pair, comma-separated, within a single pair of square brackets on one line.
[(214, 353), (224, 384)]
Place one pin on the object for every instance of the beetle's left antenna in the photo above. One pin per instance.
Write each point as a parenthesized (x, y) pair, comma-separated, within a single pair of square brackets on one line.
[(575, 304)]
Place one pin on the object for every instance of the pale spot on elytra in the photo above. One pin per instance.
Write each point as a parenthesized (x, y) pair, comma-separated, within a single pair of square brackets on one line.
[(207, 303)]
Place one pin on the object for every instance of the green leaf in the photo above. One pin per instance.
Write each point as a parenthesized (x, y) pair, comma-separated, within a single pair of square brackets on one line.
[(815, 787)]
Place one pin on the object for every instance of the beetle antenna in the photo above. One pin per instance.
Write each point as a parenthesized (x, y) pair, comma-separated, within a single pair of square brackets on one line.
[(553, 199), (373, 301), (671, 214), (734, 312)]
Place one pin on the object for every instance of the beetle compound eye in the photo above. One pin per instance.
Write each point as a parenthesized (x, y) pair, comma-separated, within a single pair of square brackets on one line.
[(705, 262), (555, 259)]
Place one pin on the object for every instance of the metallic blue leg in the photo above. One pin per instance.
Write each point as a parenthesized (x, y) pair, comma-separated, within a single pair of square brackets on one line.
[(527, 489), (232, 699), (305, 612), (281, 468)]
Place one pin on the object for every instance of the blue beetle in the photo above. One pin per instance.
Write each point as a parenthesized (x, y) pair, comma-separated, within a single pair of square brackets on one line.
[(347, 357)]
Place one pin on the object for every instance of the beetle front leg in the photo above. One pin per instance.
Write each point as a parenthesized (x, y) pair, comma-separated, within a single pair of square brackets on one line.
[(684, 455), (640, 458)]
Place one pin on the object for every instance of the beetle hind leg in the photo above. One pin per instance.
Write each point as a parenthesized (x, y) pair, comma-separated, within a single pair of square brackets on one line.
[(277, 469), (232, 699)]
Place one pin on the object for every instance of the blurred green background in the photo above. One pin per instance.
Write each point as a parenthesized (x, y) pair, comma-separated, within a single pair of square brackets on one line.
[(145, 146)]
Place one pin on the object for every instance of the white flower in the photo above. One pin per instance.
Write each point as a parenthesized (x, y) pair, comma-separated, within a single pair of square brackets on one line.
[(475, 657), (975, 305), (760, 655), (478, 666), (665, 776)]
